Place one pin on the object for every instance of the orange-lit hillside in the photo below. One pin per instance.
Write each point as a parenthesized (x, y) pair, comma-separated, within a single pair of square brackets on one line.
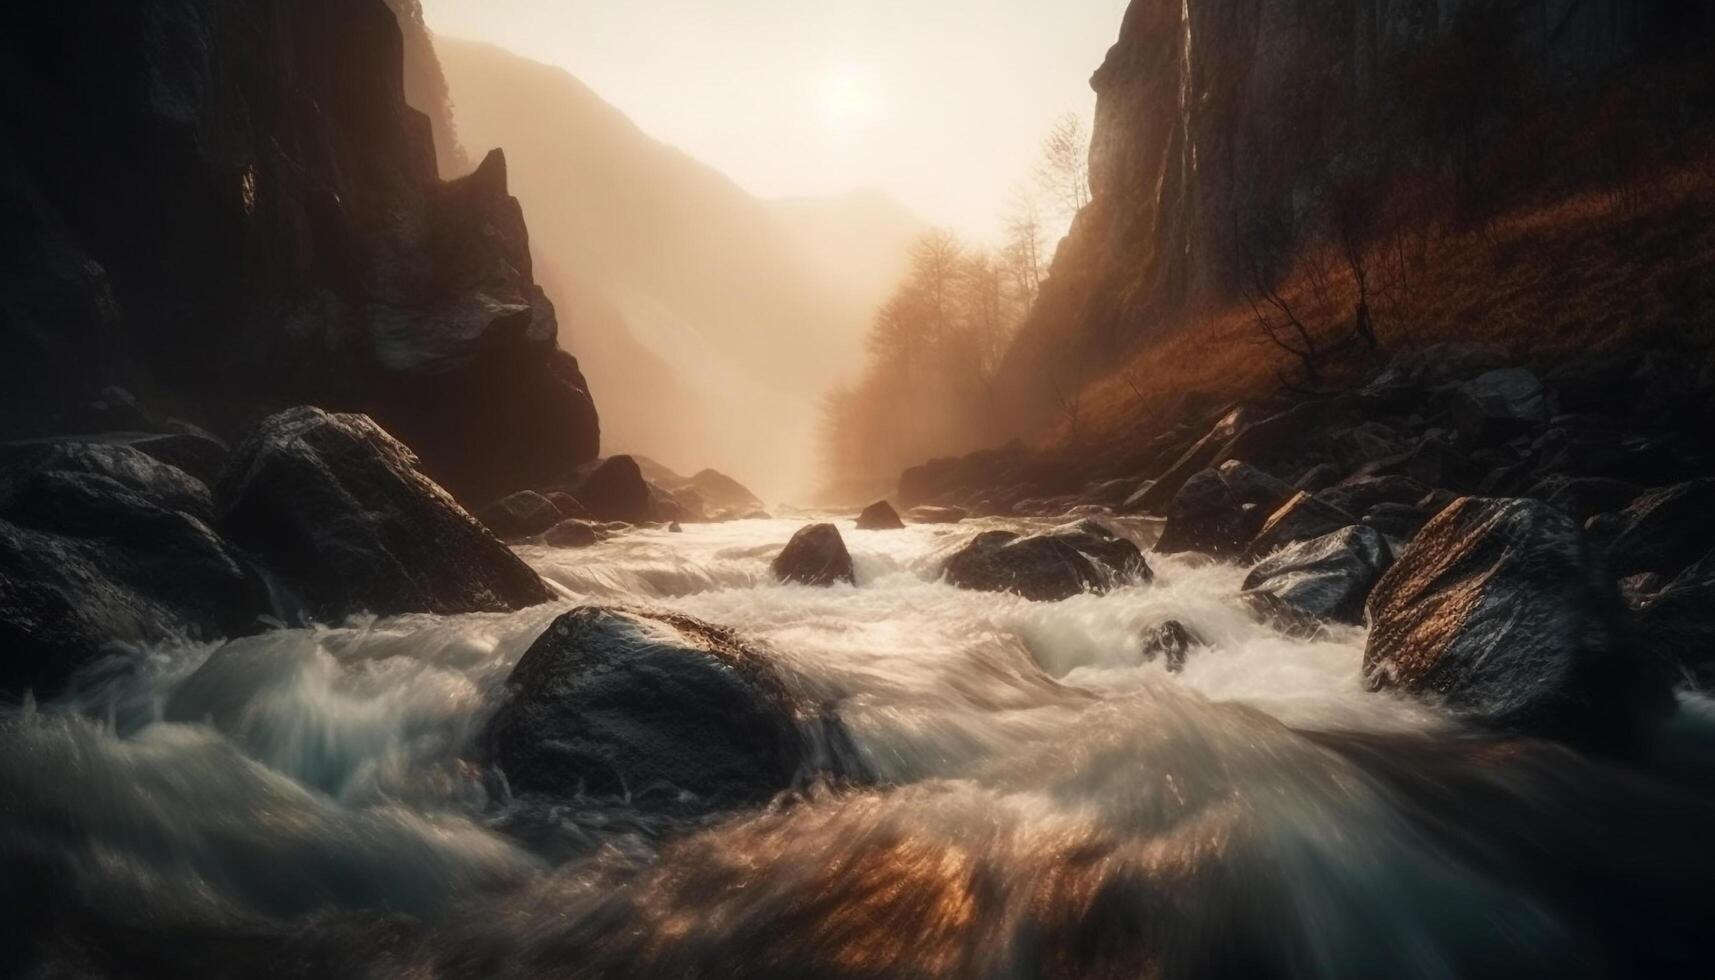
[(1595, 272)]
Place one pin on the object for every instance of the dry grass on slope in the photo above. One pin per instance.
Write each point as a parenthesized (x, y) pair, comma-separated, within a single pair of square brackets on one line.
[(1593, 273)]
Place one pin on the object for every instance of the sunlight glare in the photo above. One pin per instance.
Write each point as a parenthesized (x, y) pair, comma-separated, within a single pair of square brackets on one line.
[(849, 98)]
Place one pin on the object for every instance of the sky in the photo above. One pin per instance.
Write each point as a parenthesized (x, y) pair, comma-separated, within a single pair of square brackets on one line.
[(940, 103)]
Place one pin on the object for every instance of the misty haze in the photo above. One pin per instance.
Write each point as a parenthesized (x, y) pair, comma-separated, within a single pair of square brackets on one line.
[(906, 489)]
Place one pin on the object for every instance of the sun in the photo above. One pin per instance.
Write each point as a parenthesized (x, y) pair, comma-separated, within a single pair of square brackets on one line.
[(849, 98)]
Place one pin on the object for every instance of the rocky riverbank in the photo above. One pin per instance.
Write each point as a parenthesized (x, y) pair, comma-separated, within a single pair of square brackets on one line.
[(1528, 543)]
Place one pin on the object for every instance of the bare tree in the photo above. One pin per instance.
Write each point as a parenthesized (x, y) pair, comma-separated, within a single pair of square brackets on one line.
[(1064, 171), (1023, 251)]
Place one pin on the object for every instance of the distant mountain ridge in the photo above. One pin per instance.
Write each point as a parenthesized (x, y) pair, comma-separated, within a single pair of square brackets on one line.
[(711, 321)]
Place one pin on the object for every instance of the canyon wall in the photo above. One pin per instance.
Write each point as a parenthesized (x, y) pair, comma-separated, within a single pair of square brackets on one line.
[(229, 207), (1221, 123)]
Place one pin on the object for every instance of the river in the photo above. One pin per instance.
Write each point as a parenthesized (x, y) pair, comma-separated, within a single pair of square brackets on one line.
[(1040, 802)]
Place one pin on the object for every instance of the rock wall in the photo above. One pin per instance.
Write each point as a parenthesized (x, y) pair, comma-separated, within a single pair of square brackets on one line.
[(1212, 114), (229, 207)]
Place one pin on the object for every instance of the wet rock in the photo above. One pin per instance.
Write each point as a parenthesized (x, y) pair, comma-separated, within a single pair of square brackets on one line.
[(670, 713), (816, 555), (1431, 462), (1299, 519), (1171, 641), (1327, 578), (1677, 621), (1358, 495), (568, 505), (1499, 404), (615, 491), (96, 557), (936, 515), (35, 474), (1202, 454), (1116, 554), (1205, 515), (692, 506), (520, 515), (674, 528), (1504, 609), (571, 534), (339, 509), (1039, 567), (1253, 486), (1584, 497), (879, 516), (198, 454), (1396, 522), (1050, 566), (1319, 477), (1665, 530), (719, 490)]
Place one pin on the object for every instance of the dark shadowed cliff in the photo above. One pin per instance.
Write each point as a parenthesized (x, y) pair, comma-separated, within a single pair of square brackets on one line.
[(1232, 135), (230, 207)]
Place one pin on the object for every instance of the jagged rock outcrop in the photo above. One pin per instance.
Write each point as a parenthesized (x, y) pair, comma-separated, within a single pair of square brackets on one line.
[(230, 209), (669, 712), (341, 512)]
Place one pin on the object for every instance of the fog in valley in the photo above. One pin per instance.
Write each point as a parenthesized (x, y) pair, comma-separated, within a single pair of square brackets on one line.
[(716, 320)]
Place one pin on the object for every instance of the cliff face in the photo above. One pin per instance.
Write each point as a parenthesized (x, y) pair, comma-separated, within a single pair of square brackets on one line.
[(229, 207), (1221, 123)]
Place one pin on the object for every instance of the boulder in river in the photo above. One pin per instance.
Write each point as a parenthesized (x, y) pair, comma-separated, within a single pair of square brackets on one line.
[(1327, 578), (1047, 567), (520, 515), (1116, 554), (816, 555), (1205, 515), (669, 712), (722, 491), (614, 490), (1171, 642), (571, 533), (102, 548), (1665, 530), (879, 516), (1303, 517), (339, 509), (1504, 609)]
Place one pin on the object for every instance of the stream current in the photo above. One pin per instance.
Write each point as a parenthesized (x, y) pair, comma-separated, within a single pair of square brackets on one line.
[(1043, 803)]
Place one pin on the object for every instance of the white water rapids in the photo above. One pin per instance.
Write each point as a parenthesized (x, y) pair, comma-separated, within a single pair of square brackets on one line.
[(1044, 803)]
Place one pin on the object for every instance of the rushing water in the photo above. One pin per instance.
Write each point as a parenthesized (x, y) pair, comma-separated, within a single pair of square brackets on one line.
[(1043, 803)]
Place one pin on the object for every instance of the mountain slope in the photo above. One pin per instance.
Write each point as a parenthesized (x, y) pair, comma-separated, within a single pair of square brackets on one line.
[(665, 264)]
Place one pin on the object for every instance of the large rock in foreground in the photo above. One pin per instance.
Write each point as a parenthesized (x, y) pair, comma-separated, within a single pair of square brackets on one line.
[(674, 713), (1326, 578), (102, 548), (816, 555), (1503, 608), (339, 509), (1047, 567)]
